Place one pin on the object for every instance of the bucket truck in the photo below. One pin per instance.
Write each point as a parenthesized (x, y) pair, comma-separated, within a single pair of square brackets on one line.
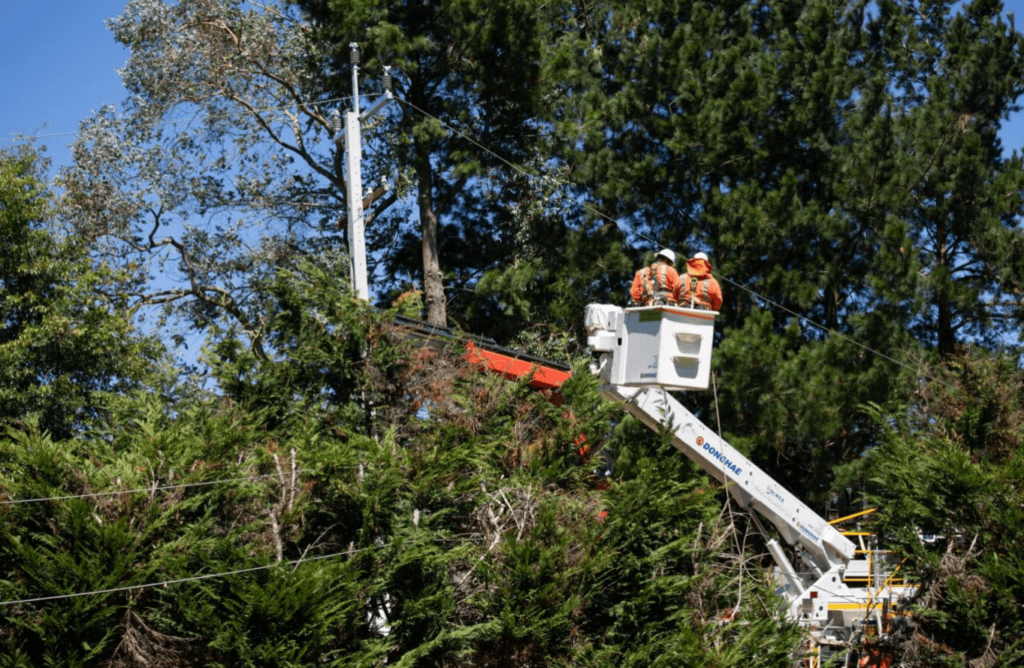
[(645, 353)]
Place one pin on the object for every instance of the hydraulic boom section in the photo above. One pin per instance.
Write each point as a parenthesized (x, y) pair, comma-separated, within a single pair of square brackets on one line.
[(646, 352), (823, 552)]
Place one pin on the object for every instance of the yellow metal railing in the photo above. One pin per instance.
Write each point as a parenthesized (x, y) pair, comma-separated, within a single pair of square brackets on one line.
[(888, 582), (850, 517)]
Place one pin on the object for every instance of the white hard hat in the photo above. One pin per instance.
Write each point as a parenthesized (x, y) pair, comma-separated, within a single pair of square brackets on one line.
[(667, 254), (701, 256)]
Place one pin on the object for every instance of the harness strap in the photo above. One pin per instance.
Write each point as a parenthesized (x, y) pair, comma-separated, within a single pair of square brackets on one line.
[(660, 292), (653, 282), (695, 287), (648, 284)]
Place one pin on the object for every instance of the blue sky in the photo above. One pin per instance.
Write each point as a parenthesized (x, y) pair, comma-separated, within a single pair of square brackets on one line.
[(57, 65)]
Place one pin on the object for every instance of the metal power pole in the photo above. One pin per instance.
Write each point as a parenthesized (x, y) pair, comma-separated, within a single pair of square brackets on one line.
[(351, 133)]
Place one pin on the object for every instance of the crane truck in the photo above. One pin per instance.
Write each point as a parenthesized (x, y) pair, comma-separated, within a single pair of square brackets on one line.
[(833, 587)]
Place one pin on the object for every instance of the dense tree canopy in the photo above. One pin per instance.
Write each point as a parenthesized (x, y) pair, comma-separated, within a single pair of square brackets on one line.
[(374, 500), (947, 482), (840, 163), (297, 529), (65, 348)]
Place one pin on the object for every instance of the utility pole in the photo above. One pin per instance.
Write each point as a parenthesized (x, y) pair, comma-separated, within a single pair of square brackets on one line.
[(351, 134)]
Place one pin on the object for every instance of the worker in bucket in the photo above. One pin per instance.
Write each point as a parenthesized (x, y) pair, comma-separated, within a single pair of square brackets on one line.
[(658, 284), (700, 289)]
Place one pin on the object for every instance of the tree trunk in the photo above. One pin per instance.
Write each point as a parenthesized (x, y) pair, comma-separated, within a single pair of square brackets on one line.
[(433, 279), (944, 292)]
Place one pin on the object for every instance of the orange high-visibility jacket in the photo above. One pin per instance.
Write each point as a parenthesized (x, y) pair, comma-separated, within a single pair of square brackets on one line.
[(660, 280), (700, 289)]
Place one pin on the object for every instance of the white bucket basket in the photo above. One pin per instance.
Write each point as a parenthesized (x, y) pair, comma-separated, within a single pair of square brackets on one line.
[(652, 346)]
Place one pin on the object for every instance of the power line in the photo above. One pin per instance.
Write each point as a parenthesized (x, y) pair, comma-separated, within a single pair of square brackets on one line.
[(601, 214), (193, 578), (208, 576), (149, 490), (522, 171), (155, 124), (530, 175), (832, 331)]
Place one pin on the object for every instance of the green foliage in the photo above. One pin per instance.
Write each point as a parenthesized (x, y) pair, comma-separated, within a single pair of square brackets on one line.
[(322, 532), (321, 347), (220, 203), (281, 616), (65, 347), (839, 157), (950, 503)]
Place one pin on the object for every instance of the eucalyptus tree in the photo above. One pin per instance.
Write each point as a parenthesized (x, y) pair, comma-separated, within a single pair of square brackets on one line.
[(470, 80), (221, 166)]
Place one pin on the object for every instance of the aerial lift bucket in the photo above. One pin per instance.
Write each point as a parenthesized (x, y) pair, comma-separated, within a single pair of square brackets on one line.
[(652, 346)]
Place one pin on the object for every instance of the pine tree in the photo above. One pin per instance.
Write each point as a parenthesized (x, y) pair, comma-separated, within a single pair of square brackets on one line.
[(794, 142), (948, 247)]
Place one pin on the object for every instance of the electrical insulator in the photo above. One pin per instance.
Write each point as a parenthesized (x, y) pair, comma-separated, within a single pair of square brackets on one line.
[(354, 54), (386, 81), (336, 121)]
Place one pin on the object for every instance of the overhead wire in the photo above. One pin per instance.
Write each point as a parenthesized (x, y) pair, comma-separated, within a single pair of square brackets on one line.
[(209, 576), (150, 490), (839, 334), (176, 121), (140, 490), (519, 169), (191, 578), (603, 215)]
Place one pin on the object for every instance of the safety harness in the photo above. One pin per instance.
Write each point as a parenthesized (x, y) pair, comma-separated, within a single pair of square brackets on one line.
[(695, 284), (656, 293)]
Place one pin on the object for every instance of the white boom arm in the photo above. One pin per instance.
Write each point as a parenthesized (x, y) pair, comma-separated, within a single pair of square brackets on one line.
[(645, 352)]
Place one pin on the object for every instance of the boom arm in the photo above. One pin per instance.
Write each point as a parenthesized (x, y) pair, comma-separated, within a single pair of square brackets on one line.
[(649, 351), (824, 548)]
